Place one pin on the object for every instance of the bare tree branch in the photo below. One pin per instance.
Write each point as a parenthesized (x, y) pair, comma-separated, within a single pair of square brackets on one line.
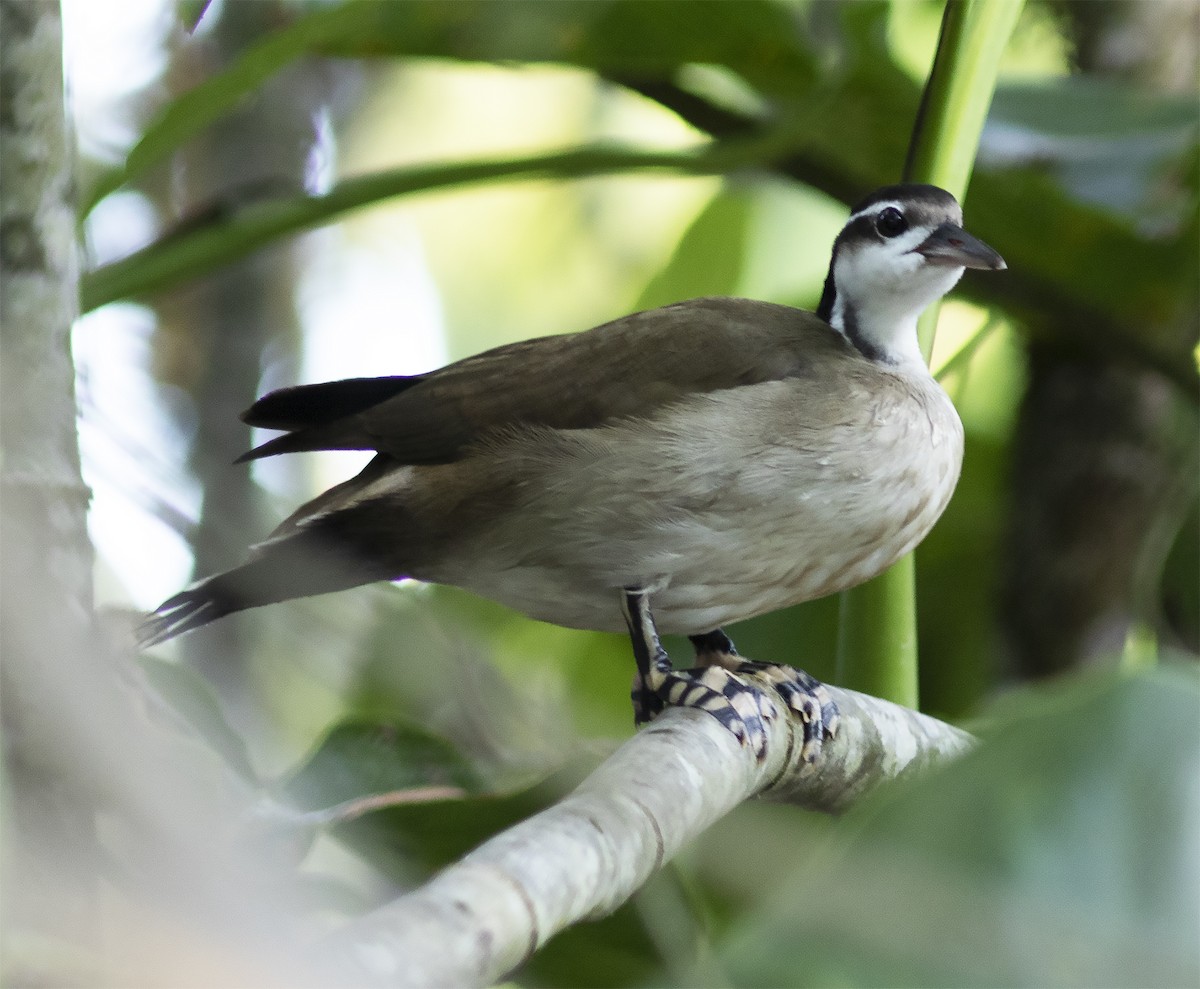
[(484, 916)]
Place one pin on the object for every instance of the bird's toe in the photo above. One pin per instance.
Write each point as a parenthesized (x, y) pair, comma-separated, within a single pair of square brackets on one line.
[(740, 707), (802, 693)]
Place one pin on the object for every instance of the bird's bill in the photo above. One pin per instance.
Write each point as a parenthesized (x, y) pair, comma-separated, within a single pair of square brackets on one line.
[(951, 245)]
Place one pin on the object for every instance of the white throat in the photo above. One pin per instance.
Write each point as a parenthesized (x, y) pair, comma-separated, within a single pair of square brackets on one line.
[(881, 289)]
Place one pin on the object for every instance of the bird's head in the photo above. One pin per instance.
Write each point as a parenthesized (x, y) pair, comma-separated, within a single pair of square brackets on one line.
[(902, 248)]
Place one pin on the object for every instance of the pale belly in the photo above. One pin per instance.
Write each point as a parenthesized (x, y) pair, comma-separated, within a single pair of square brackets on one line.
[(732, 518)]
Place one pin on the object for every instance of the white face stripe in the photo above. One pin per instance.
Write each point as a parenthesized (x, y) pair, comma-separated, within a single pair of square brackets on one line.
[(875, 209), (905, 209)]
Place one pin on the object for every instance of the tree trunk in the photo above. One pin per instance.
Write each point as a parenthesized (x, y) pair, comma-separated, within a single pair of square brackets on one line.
[(45, 556)]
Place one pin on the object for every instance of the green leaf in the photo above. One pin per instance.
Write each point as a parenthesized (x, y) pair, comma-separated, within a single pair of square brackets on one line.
[(358, 758), (709, 257), (407, 841), (359, 771), (1094, 108), (644, 38), (1062, 852)]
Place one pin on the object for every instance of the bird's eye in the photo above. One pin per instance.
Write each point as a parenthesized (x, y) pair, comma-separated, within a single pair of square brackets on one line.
[(890, 222)]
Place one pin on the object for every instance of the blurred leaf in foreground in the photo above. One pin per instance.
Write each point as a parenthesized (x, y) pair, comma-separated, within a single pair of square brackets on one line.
[(1064, 851)]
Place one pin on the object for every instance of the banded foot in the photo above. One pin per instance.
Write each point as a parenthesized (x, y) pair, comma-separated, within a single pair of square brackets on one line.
[(721, 684), (738, 705), (804, 694)]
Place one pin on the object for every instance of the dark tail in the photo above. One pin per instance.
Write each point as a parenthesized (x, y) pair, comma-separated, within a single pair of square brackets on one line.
[(321, 417), (304, 406), (309, 561), (192, 607)]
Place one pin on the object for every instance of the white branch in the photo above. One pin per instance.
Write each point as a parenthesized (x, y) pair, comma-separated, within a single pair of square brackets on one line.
[(580, 859)]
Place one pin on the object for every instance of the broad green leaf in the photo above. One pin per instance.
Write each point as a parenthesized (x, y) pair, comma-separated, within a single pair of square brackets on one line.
[(407, 842), (405, 798), (1094, 283), (359, 759), (641, 38), (709, 258), (1062, 852), (1092, 108)]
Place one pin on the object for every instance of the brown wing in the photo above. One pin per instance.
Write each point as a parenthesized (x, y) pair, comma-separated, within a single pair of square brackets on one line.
[(628, 367)]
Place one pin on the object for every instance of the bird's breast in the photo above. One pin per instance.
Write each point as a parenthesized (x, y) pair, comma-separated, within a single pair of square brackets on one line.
[(827, 506)]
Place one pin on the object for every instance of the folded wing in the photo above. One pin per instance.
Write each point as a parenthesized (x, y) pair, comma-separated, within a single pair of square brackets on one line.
[(626, 368)]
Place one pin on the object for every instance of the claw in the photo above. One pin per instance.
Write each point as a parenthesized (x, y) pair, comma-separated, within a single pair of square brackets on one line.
[(742, 695)]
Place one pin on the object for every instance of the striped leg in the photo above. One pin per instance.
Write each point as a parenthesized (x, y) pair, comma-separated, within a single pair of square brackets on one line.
[(740, 707), (653, 663)]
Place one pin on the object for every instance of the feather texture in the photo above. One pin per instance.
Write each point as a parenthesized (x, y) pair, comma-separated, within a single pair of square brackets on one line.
[(727, 457), (625, 368)]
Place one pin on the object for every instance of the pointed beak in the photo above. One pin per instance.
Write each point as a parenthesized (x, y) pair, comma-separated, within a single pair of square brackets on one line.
[(952, 246)]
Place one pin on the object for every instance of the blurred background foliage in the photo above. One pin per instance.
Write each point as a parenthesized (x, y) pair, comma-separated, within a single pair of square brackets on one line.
[(1070, 548)]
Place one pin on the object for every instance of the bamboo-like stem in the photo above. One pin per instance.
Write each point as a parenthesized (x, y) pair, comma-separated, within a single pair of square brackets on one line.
[(877, 640), (955, 104), (877, 635)]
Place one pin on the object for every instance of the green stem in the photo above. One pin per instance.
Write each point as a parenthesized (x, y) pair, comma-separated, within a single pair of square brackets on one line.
[(877, 636), (197, 249), (955, 104)]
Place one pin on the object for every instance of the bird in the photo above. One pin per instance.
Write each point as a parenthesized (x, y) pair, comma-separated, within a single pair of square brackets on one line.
[(674, 470)]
